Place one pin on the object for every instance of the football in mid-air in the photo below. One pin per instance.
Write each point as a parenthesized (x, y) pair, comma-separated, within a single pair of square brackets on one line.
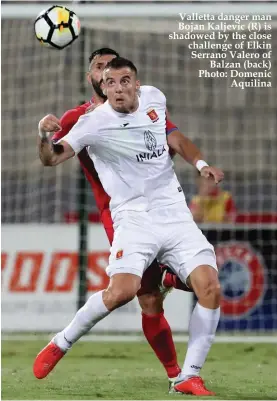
[(57, 27)]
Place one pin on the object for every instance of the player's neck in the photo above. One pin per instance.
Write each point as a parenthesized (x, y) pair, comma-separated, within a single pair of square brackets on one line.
[(135, 105), (98, 99)]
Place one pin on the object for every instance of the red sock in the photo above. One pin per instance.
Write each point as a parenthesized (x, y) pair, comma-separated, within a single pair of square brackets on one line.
[(171, 280), (158, 333)]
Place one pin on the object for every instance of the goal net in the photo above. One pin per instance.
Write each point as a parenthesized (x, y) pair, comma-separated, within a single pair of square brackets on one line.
[(234, 127)]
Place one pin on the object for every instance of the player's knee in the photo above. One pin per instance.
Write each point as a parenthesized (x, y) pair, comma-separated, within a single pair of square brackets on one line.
[(114, 297), (152, 303), (205, 283), (121, 290), (210, 290), (123, 296)]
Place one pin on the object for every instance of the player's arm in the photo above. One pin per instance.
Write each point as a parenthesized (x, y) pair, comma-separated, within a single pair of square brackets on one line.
[(52, 154), (189, 152), (80, 136), (184, 147)]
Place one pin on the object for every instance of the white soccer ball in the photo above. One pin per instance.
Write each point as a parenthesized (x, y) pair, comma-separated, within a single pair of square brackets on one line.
[(57, 27)]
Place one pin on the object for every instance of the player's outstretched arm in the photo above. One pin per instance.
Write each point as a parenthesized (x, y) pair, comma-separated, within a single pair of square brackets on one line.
[(188, 151), (52, 154), (184, 147)]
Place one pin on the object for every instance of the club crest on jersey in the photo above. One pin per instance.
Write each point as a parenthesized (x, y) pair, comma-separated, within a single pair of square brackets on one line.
[(150, 140), (119, 254), (152, 115)]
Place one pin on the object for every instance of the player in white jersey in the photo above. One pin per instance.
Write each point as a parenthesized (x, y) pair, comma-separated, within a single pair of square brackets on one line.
[(127, 142)]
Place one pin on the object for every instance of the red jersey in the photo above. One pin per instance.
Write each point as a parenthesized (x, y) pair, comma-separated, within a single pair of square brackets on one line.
[(102, 199)]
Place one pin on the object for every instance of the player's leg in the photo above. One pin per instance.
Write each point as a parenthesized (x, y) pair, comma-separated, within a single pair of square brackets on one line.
[(131, 235), (188, 253), (122, 289), (205, 317), (203, 323), (154, 324)]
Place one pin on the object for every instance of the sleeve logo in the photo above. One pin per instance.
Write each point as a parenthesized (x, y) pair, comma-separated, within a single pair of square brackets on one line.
[(152, 115), (119, 254)]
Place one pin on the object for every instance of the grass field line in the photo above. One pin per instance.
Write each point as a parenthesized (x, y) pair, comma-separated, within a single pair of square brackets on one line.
[(236, 339)]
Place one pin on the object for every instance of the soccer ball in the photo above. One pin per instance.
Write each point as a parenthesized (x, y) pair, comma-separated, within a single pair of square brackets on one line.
[(57, 27)]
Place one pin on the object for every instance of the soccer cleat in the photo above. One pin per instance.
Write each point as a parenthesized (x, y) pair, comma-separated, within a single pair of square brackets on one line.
[(194, 385), (170, 281), (164, 290), (46, 360), (171, 383)]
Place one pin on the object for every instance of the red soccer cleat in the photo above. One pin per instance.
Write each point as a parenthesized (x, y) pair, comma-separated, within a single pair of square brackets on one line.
[(170, 280), (46, 360), (194, 386)]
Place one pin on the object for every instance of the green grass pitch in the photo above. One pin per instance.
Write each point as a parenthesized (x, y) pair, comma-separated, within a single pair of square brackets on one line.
[(130, 371)]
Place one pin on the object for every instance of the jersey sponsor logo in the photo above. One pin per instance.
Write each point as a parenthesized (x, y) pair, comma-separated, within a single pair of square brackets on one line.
[(150, 140), (152, 115), (141, 157), (242, 275), (119, 254)]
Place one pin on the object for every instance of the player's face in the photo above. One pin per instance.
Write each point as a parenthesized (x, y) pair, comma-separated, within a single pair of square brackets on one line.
[(121, 88), (95, 73)]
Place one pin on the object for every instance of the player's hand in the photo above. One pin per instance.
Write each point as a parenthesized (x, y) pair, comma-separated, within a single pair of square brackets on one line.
[(50, 123), (212, 172), (92, 107)]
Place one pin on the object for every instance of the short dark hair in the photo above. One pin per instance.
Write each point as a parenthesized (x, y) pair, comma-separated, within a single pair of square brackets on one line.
[(102, 52), (120, 62)]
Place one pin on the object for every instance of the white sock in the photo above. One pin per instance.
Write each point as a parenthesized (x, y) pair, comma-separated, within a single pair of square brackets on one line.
[(202, 329), (91, 313)]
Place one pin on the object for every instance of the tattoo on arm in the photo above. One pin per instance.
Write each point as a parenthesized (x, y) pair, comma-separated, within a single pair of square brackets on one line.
[(57, 148), (49, 150)]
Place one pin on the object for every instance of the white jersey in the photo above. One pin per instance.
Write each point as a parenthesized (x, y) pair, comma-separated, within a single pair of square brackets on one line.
[(130, 153)]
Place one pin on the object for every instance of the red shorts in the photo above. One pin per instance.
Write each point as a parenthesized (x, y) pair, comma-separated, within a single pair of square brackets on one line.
[(151, 279)]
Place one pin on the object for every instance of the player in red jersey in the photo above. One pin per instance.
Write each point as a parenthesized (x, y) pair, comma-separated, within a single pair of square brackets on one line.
[(155, 327)]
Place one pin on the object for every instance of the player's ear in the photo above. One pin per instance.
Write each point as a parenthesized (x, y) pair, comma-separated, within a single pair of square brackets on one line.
[(137, 85), (104, 90), (88, 78)]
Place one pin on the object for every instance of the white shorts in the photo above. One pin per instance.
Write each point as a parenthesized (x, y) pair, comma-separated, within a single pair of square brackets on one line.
[(168, 234)]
